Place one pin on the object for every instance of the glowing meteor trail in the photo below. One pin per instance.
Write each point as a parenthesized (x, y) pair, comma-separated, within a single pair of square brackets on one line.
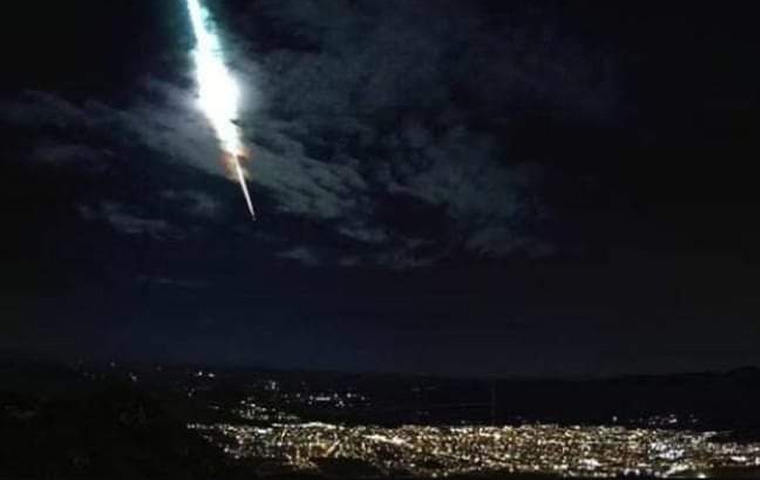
[(218, 92), (244, 186)]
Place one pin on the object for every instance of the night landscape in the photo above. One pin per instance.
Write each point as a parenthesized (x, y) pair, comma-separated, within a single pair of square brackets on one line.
[(373, 239)]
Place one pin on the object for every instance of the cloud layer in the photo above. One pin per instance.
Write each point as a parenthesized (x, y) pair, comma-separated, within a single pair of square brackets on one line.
[(380, 130)]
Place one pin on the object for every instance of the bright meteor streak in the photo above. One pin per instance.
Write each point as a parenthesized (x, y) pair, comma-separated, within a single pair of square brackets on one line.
[(219, 93)]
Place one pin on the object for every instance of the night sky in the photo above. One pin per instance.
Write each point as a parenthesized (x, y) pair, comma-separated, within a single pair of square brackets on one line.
[(473, 187)]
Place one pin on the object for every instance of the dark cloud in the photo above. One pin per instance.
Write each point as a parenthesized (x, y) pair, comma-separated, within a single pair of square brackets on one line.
[(363, 57), (195, 202), (373, 108), (128, 223), (169, 282), (163, 119), (56, 153), (386, 124)]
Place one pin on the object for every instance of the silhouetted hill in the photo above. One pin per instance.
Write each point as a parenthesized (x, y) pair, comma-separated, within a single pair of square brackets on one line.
[(114, 433)]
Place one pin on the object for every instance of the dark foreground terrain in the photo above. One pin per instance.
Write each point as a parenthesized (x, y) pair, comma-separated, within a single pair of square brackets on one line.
[(112, 432), (107, 422)]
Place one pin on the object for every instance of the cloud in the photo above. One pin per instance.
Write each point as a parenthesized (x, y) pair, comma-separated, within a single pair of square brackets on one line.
[(67, 153), (389, 122), (35, 109), (162, 120), (130, 224), (423, 195), (305, 255), (73, 156), (195, 202), (170, 282), (380, 131), (363, 56)]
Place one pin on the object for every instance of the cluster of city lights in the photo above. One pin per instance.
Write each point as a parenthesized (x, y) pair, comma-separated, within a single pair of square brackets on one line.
[(430, 451)]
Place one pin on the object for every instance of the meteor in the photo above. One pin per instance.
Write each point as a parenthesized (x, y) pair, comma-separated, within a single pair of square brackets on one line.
[(219, 95)]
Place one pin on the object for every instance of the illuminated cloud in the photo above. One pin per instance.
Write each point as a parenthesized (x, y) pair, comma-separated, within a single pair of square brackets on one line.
[(219, 94)]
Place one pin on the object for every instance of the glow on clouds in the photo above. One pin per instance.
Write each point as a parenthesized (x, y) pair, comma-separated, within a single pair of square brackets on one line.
[(219, 94)]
